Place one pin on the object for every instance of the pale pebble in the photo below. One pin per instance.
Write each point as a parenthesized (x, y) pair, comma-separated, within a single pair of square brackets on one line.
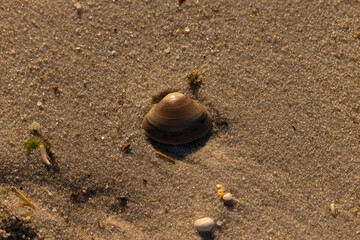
[(227, 197), (204, 225)]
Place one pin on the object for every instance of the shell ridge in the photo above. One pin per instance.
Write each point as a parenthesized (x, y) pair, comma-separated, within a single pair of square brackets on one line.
[(177, 119)]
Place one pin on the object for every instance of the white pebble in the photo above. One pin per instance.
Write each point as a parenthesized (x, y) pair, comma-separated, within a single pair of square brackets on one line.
[(227, 197), (204, 225)]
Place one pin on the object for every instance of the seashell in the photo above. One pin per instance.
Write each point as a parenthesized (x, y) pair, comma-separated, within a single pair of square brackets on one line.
[(176, 119), (204, 225), (35, 126)]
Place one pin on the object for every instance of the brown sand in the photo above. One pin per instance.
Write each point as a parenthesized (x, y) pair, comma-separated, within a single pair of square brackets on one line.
[(280, 78)]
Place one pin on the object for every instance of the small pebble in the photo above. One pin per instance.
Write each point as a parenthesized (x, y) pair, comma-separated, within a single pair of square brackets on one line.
[(39, 103), (204, 225), (50, 194), (227, 197), (78, 6), (168, 50)]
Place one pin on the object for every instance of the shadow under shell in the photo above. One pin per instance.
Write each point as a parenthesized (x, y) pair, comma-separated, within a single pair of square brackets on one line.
[(180, 151)]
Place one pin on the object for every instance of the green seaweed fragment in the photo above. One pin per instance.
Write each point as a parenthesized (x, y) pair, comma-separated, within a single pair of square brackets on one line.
[(32, 143), (6, 190)]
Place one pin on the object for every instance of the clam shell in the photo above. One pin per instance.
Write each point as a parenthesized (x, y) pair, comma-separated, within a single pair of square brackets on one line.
[(176, 119)]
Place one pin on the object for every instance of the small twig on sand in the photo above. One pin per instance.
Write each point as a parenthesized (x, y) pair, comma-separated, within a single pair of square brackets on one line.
[(126, 148), (22, 195), (44, 154), (167, 157)]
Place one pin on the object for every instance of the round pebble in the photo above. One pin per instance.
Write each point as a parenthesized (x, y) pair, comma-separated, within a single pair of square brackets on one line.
[(204, 225), (227, 197)]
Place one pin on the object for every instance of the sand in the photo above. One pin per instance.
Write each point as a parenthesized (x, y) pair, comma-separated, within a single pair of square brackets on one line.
[(280, 79)]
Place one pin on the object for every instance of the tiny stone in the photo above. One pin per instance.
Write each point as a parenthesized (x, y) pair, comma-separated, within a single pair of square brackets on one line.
[(219, 223), (204, 225), (49, 193), (39, 103), (167, 50), (187, 29), (227, 197), (35, 126), (77, 6), (27, 219)]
